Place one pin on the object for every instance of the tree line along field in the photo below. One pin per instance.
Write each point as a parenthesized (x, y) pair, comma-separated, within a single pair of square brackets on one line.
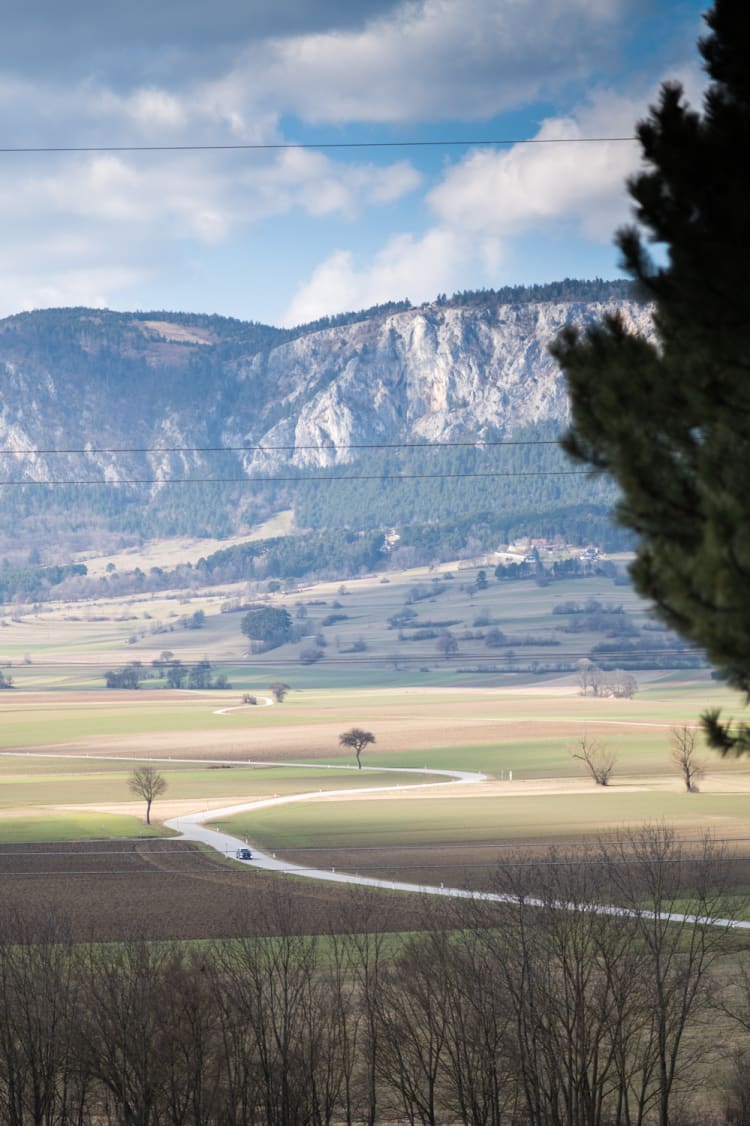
[(488, 1012)]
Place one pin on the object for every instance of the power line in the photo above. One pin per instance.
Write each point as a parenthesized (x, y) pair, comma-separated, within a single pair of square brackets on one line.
[(299, 480), (315, 145), (243, 664), (477, 443)]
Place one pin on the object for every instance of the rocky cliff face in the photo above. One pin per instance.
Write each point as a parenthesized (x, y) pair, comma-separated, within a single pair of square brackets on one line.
[(431, 374), (89, 381)]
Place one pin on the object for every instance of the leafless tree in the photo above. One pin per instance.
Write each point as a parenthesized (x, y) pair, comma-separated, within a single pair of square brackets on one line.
[(279, 690), (147, 783), (124, 1041), (598, 759), (685, 757), (676, 901), (42, 1078), (586, 673), (478, 1059), (281, 996), (362, 926), (621, 684), (413, 1017), (606, 968), (357, 739), (560, 964), (617, 683)]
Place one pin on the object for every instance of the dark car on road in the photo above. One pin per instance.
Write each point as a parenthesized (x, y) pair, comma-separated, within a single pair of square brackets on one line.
[(244, 854)]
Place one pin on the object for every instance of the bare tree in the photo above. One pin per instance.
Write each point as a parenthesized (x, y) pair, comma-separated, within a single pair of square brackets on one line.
[(598, 759), (677, 901), (607, 972), (617, 683), (621, 684), (42, 1078), (124, 1038), (585, 675), (413, 1014), (685, 757), (279, 690), (357, 739), (148, 783)]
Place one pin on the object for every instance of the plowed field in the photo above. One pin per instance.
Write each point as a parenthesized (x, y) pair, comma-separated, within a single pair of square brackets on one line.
[(164, 889)]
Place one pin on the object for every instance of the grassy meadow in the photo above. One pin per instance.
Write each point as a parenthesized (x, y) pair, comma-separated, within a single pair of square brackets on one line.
[(490, 710), (496, 820)]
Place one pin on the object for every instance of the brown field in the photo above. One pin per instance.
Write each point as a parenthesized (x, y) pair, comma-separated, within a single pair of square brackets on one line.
[(163, 889), (405, 720)]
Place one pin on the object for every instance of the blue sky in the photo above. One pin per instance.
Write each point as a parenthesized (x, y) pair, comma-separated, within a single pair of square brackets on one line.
[(287, 235)]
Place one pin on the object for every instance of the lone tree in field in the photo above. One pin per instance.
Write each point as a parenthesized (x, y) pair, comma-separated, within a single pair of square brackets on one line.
[(685, 757), (357, 739), (279, 691), (669, 418), (447, 645), (598, 759), (148, 784)]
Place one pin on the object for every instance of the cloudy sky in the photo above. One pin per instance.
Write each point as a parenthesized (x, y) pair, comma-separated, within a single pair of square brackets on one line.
[(284, 234)]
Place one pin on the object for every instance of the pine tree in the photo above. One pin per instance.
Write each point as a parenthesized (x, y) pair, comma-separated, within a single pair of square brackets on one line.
[(669, 418)]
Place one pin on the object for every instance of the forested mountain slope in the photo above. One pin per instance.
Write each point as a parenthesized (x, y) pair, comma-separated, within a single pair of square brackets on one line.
[(121, 409)]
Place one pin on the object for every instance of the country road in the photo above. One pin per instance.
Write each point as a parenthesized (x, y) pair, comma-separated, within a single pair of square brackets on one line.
[(193, 827)]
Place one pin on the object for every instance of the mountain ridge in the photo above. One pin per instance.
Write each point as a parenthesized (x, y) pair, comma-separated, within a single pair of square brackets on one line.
[(137, 402)]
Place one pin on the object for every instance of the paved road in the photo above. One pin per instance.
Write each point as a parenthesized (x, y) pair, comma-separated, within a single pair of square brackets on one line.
[(194, 827)]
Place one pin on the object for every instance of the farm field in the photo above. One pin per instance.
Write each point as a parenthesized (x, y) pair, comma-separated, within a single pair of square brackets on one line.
[(105, 891), (531, 733), (68, 744), (370, 632)]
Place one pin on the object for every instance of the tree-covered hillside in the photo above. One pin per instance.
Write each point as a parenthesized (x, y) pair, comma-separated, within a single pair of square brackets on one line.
[(439, 421)]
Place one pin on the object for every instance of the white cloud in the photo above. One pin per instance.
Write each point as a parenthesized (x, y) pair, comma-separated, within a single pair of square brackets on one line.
[(506, 193), (431, 58), (157, 108), (491, 199), (310, 181), (114, 217), (509, 192), (406, 266), (98, 224), (90, 286)]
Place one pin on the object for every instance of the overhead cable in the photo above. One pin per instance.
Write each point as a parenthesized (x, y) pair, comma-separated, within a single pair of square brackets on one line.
[(476, 443), (384, 477), (315, 145)]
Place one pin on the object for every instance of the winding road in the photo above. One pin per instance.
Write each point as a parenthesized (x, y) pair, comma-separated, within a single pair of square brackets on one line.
[(193, 827)]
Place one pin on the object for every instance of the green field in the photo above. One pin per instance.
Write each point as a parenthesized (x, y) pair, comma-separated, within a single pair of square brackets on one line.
[(425, 711), (69, 647), (436, 821), (70, 781), (74, 827)]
